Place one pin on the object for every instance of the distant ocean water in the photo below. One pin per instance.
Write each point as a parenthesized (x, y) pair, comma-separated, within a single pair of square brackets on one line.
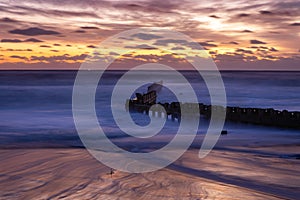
[(36, 106)]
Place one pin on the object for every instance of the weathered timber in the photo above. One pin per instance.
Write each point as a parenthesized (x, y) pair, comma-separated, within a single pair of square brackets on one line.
[(261, 116)]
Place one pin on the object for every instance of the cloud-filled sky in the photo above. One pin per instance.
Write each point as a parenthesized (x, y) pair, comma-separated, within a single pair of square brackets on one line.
[(240, 34)]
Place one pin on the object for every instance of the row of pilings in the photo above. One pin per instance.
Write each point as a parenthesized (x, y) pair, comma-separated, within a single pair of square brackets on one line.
[(259, 116)]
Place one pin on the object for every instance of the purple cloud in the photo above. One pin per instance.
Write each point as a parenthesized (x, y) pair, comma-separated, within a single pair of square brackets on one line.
[(89, 27), (243, 15), (247, 31), (257, 42), (206, 44), (295, 24), (18, 50), (91, 46), (145, 36), (32, 40), (11, 40), (233, 42), (58, 58), (33, 31), (265, 12), (79, 31), (45, 46), (244, 51), (141, 46), (214, 16), (18, 40), (178, 48), (7, 20), (19, 57)]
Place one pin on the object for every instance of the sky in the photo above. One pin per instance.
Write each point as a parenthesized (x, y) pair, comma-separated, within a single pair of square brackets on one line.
[(238, 34)]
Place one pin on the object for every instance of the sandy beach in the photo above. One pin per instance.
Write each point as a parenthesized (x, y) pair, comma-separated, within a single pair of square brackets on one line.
[(72, 173)]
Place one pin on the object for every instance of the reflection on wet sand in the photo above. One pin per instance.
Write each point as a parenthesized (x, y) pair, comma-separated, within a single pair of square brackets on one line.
[(72, 173)]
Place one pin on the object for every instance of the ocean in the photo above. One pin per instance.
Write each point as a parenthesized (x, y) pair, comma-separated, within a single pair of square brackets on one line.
[(36, 106)]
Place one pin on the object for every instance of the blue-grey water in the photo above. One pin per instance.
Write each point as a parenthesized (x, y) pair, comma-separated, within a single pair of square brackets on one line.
[(36, 106)]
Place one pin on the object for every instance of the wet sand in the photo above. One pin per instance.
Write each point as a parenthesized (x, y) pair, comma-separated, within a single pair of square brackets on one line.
[(72, 173)]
